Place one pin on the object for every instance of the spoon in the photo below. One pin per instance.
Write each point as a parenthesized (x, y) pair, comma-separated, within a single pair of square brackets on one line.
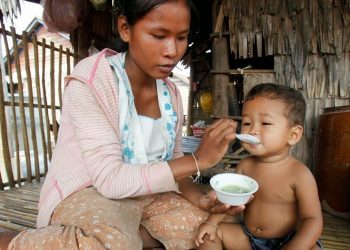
[(248, 138)]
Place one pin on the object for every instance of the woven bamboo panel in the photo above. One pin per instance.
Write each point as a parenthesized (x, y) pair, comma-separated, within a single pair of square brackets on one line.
[(19, 207)]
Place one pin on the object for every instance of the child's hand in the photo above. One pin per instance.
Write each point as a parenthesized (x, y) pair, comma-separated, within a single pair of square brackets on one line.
[(206, 232)]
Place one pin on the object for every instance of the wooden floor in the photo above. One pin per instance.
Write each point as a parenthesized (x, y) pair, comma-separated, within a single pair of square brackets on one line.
[(18, 210), (336, 233)]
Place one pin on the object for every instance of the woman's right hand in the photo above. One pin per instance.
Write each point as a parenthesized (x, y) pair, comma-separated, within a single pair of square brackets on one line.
[(215, 142), (210, 203)]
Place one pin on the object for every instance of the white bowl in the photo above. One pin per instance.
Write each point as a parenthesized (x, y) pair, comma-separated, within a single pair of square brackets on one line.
[(220, 181)]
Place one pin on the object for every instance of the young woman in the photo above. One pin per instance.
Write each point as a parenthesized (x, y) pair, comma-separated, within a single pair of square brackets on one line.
[(118, 178)]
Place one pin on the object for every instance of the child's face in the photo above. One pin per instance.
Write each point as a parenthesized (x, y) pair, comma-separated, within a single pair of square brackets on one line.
[(159, 39), (267, 120)]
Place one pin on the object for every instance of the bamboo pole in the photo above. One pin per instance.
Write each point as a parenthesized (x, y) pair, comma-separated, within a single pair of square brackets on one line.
[(4, 137), (31, 106), (52, 90), (59, 84), (26, 105), (11, 226), (43, 83), (21, 107), (9, 171), (13, 109), (68, 62), (38, 93)]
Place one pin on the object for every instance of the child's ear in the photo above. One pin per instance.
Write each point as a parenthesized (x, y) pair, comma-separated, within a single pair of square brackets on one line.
[(296, 132), (123, 28)]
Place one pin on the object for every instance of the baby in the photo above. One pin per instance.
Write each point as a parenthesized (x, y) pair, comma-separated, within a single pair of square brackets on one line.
[(285, 212)]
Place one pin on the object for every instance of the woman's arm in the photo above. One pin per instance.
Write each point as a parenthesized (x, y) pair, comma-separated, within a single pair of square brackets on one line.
[(213, 146)]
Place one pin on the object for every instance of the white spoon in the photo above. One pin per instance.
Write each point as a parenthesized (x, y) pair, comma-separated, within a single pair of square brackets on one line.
[(248, 138)]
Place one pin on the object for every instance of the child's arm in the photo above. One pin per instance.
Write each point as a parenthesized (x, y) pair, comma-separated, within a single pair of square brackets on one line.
[(311, 221), (208, 229)]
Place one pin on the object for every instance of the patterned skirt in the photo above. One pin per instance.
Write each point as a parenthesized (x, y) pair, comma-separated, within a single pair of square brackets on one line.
[(87, 220)]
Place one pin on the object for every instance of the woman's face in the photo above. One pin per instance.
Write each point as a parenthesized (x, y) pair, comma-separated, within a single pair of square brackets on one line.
[(158, 40)]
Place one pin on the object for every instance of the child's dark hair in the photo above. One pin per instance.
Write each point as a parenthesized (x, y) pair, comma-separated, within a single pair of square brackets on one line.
[(294, 100), (134, 10)]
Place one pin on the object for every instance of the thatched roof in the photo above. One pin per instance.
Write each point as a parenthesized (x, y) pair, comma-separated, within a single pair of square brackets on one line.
[(10, 8)]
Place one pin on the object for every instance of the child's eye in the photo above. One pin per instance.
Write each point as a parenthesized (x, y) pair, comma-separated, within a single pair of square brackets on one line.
[(266, 123), (246, 123)]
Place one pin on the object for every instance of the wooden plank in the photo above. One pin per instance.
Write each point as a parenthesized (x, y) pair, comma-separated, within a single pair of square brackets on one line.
[(240, 72), (219, 19), (12, 226)]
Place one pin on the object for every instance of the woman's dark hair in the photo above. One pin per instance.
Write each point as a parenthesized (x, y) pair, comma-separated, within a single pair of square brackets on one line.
[(294, 99), (134, 10)]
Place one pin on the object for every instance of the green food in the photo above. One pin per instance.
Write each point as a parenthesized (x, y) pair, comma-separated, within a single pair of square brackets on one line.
[(235, 189)]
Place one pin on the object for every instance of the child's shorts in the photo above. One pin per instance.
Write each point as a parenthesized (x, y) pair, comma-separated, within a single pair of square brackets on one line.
[(269, 244)]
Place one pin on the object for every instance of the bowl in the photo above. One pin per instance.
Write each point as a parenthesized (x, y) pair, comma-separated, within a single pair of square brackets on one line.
[(233, 189)]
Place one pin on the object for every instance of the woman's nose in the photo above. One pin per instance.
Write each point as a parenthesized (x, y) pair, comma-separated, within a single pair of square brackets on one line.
[(170, 48)]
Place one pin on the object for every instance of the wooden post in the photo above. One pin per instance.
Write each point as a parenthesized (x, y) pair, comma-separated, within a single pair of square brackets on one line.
[(220, 62)]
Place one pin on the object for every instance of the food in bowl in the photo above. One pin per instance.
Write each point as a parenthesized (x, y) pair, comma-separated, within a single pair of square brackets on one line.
[(233, 189)]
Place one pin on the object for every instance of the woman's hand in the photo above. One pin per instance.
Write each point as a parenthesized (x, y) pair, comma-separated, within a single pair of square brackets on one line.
[(209, 203), (215, 142)]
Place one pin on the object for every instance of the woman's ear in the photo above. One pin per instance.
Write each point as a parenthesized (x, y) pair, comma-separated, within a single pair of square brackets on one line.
[(296, 132), (123, 28)]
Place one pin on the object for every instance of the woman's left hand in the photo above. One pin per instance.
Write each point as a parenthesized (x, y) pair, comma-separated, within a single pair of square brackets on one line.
[(210, 203)]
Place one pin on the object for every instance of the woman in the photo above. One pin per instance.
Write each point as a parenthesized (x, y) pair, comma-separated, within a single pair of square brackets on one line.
[(118, 178)]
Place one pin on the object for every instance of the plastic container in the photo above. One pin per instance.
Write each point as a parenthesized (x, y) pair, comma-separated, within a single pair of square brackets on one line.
[(198, 131)]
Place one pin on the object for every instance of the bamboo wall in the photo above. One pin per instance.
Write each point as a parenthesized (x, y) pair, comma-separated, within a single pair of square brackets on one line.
[(30, 104), (309, 39)]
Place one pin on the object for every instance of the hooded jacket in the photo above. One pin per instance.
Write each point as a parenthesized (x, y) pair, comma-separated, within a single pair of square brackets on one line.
[(88, 150)]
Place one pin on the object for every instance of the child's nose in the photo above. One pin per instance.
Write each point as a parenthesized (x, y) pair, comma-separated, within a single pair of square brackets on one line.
[(254, 130)]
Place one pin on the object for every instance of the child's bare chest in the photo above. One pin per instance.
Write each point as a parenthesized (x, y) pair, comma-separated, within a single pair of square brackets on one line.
[(274, 187)]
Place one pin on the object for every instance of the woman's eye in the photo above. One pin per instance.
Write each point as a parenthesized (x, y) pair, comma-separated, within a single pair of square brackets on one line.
[(160, 37), (246, 123)]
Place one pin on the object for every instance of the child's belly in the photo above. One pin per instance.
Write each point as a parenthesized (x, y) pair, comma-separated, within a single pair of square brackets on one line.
[(271, 220)]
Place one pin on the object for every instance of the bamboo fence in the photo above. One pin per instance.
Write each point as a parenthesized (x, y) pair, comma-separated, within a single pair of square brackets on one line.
[(31, 86)]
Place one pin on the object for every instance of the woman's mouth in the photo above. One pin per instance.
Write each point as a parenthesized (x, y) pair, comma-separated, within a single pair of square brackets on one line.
[(166, 68)]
